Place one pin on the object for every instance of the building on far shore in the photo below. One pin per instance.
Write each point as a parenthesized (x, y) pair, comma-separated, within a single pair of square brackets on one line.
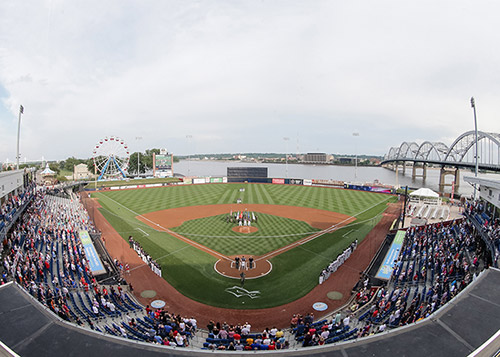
[(347, 160), (315, 158)]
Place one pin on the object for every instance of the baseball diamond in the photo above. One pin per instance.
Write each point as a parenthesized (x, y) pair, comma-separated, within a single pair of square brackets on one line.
[(300, 230)]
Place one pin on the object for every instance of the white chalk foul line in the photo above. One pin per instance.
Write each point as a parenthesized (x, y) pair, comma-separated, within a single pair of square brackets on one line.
[(320, 233), (352, 230), (312, 237), (144, 233), (202, 247)]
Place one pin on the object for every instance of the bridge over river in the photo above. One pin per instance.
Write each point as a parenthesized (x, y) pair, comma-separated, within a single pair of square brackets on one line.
[(461, 154)]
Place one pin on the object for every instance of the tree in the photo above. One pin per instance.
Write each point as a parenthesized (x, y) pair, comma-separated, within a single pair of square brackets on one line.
[(132, 164), (54, 166), (90, 165), (70, 163), (148, 158)]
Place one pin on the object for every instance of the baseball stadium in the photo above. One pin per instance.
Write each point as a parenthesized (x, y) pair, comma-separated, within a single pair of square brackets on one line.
[(239, 265), (249, 178)]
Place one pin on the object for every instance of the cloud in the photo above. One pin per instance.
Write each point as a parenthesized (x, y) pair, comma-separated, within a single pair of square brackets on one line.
[(240, 76)]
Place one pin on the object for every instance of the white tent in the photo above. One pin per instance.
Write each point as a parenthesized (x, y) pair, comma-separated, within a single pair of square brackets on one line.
[(426, 196), (424, 192)]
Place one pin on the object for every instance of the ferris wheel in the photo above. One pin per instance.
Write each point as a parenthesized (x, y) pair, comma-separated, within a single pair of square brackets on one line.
[(111, 156)]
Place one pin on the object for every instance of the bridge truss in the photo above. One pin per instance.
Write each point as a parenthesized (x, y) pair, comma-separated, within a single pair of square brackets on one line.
[(461, 154)]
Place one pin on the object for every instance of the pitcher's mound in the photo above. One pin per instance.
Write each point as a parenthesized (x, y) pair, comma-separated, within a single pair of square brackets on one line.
[(243, 229)]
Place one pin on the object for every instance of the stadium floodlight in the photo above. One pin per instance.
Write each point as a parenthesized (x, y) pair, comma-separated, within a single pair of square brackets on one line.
[(138, 165), (356, 157), (189, 137), (286, 155), (21, 111), (473, 105)]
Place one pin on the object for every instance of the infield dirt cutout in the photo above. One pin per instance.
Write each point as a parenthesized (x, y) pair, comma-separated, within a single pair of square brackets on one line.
[(174, 217)]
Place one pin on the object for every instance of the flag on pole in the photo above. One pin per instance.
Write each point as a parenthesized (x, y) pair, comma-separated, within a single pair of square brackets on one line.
[(21, 109)]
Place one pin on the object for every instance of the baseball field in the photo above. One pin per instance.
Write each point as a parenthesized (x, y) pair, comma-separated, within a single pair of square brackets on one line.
[(299, 231)]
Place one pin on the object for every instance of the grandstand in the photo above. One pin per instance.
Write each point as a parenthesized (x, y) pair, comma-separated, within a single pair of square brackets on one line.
[(55, 305), (31, 330)]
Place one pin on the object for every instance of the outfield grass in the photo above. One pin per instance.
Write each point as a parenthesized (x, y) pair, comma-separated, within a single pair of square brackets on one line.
[(190, 270)]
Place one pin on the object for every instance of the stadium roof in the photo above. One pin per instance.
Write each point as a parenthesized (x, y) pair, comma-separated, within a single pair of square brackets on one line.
[(483, 181)]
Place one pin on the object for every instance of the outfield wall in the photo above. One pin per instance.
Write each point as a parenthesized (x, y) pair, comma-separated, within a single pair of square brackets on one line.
[(270, 180)]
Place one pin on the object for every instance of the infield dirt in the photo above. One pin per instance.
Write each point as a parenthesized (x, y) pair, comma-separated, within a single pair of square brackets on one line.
[(174, 217)]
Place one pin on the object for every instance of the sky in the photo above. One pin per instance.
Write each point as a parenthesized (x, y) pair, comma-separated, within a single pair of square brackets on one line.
[(241, 76)]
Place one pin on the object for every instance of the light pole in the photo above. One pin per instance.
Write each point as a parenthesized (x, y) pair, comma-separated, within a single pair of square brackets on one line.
[(404, 207), (356, 157), (473, 105), (138, 164), (286, 155), (189, 137), (21, 111)]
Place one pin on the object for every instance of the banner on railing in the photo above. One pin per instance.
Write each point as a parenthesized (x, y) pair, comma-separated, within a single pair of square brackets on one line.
[(387, 266), (93, 259)]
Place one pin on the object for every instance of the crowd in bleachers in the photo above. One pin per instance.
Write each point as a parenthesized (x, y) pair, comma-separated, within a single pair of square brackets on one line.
[(160, 327), (45, 256), (240, 338), (309, 333), (11, 205), (491, 227), (436, 262)]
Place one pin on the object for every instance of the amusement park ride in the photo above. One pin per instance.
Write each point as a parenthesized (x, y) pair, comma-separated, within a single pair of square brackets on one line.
[(111, 158)]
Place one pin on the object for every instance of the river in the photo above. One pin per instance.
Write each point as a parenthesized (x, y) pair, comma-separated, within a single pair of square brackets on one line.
[(363, 174)]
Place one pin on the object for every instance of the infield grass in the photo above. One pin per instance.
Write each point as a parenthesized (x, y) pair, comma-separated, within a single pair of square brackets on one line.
[(274, 232), (191, 271)]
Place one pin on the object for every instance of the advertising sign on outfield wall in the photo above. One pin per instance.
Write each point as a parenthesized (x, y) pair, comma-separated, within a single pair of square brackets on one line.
[(308, 182), (368, 188), (328, 182), (224, 179), (187, 180), (381, 189), (199, 180), (154, 185), (278, 180), (216, 180)]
